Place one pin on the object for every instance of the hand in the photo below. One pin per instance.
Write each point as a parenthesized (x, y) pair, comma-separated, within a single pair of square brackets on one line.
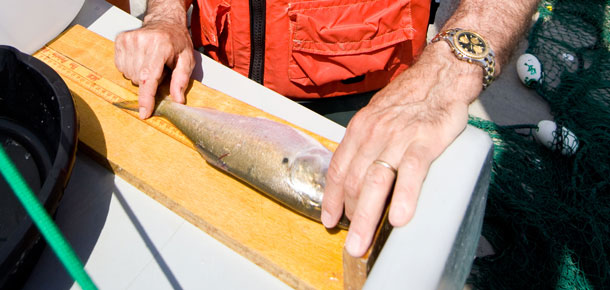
[(407, 124), (142, 54)]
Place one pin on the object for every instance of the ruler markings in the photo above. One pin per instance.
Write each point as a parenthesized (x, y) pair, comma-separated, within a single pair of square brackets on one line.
[(92, 82)]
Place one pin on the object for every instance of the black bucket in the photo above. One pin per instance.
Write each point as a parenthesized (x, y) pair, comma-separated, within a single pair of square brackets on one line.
[(38, 129)]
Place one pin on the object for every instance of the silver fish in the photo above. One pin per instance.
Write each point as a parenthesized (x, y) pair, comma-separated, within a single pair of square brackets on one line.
[(278, 160)]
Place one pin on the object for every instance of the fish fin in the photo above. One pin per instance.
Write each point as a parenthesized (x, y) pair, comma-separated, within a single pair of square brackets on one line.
[(128, 105), (211, 158)]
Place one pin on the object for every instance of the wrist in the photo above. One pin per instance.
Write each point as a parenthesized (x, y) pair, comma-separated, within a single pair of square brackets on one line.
[(455, 74), (166, 23), (165, 13), (447, 59)]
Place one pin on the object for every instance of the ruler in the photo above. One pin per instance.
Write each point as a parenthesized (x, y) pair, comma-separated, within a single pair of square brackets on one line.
[(105, 89)]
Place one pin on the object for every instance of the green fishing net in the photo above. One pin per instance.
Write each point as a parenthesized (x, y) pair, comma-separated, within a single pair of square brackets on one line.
[(548, 214)]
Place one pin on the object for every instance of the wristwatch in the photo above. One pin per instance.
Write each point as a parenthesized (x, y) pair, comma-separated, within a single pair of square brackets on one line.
[(470, 46)]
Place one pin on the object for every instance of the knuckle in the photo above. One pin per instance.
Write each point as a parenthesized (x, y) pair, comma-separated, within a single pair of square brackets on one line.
[(401, 188), (363, 217), (134, 79), (119, 40), (379, 176), (356, 124), (129, 38), (352, 190), (359, 121), (191, 60), (157, 39), (412, 162), (335, 173), (165, 50), (130, 76), (331, 202), (118, 63)]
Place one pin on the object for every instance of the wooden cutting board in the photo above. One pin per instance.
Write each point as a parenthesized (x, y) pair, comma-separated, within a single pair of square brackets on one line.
[(160, 161)]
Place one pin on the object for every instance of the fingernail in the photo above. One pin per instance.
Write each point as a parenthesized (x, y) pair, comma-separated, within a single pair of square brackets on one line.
[(352, 244), (142, 113), (326, 219)]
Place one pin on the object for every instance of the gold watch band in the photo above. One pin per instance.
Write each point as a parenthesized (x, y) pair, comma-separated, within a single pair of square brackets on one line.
[(470, 46)]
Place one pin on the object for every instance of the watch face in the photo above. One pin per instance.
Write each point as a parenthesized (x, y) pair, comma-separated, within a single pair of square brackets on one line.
[(470, 43)]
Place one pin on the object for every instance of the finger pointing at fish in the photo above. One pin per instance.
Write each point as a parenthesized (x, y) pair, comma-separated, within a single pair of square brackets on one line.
[(142, 54)]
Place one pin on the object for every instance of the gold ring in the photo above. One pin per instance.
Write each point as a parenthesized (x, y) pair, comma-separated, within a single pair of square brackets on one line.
[(386, 165)]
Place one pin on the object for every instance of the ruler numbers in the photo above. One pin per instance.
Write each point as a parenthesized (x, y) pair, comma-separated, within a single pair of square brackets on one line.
[(88, 79)]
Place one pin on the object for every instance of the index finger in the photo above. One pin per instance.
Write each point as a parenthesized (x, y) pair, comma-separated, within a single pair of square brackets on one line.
[(147, 90), (332, 201)]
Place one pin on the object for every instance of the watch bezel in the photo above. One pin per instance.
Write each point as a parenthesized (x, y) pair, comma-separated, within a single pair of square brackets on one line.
[(465, 52)]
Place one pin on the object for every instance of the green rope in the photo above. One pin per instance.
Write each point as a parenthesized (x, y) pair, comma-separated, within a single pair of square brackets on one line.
[(44, 223)]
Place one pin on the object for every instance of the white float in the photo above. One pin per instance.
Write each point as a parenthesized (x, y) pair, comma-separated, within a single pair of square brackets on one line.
[(529, 69), (546, 133)]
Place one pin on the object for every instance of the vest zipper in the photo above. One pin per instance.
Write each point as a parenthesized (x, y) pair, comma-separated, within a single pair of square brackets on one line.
[(257, 40)]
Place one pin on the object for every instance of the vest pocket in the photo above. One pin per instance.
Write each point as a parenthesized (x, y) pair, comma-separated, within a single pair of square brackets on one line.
[(334, 40), (216, 35)]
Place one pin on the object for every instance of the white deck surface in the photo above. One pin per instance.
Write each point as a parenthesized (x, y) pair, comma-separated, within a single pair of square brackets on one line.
[(129, 241)]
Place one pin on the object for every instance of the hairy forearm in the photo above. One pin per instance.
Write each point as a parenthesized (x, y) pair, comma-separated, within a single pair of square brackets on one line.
[(169, 11), (443, 79), (502, 23)]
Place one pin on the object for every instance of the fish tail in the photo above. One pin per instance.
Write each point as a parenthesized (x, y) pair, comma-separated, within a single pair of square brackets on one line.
[(135, 107), (128, 105)]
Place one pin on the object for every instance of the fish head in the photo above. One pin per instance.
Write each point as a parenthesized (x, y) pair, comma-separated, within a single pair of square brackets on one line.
[(308, 175)]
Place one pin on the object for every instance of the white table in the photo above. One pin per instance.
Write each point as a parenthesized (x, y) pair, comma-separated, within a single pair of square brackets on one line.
[(127, 240)]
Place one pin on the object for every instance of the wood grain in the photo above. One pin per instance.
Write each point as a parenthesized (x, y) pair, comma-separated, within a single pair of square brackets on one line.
[(356, 270), (297, 250)]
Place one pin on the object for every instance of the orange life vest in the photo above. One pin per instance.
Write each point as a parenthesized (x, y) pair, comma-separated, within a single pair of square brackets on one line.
[(313, 49)]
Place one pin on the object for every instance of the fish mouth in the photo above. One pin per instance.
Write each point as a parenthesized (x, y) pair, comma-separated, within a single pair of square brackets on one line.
[(308, 179)]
